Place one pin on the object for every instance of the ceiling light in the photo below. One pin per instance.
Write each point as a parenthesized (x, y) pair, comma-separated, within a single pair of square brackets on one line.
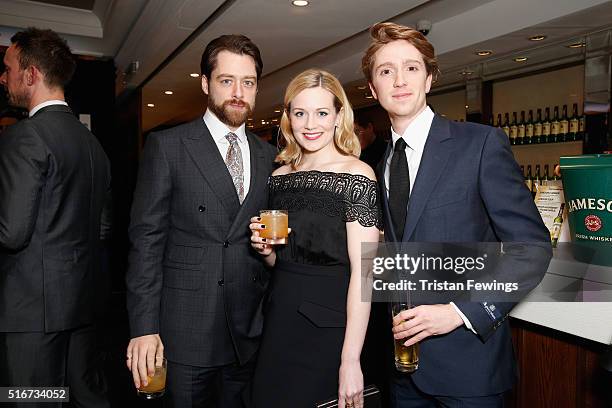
[(369, 97), (277, 110), (467, 106), (194, 75), (579, 44), (484, 53), (520, 59), (300, 3), (168, 92), (362, 87), (151, 105), (538, 37)]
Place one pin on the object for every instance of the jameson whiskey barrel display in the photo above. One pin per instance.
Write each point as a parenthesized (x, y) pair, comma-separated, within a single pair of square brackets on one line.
[(587, 181)]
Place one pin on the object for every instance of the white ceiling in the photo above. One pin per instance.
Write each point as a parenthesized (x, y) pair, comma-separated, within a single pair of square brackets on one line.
[(166, 38)]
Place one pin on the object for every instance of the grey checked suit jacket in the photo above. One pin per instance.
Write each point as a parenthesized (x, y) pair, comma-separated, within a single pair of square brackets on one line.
[(193, 276)]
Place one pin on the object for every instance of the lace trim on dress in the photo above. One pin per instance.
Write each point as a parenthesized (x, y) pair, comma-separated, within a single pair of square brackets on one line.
[(351, 196)]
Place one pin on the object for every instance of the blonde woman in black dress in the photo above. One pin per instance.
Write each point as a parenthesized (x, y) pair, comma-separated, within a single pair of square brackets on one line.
[(315, 321)]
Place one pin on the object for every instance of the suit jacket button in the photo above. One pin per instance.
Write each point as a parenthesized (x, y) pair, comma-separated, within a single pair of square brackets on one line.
[(201, 208), (220, 282), (225, 244)]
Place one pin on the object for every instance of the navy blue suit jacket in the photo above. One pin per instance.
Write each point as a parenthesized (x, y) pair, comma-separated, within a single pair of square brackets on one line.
[(469, 188)]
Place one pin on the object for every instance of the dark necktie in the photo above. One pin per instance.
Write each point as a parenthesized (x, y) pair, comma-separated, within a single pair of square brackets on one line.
[(399, 187)]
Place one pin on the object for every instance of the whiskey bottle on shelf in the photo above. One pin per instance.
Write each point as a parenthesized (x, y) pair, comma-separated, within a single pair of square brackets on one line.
[(529, 179), (529, 129), (573, 124), (554, 127), (563, 126), (520, 137), (545, 127), (499, 122), (536, 182), (506, 126), (581, 127), (556, 228), (537, 128), (546, 177), (513, 129)]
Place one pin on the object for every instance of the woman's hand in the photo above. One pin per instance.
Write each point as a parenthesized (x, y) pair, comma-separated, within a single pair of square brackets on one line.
[(259, 244), (350, 390)]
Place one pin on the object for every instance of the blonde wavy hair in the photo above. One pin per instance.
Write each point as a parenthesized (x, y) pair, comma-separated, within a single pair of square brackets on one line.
[(344, 135)]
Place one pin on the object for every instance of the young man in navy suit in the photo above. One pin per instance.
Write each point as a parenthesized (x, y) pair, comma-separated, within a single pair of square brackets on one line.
[(443, 181)]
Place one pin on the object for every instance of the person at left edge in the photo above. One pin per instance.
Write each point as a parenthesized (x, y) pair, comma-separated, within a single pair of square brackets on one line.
[(195, 287), (54, 183)]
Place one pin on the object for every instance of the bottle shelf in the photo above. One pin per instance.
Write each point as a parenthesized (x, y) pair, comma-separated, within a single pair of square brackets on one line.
[(545, 153)]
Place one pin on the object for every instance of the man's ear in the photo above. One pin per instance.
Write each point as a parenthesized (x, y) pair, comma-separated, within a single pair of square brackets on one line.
[(205, 84), (32, 74), (428, 83), (373, 90)]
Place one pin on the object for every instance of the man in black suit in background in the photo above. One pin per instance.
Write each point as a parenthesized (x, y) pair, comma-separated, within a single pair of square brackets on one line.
[(54, 182), (372, 147), (195, 287)]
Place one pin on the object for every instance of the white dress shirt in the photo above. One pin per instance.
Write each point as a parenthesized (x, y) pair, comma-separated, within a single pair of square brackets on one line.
[(219, 130), (46, 103), (415, 137)]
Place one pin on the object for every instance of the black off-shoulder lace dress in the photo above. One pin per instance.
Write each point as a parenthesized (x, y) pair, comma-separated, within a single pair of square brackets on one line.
[(305, 317)]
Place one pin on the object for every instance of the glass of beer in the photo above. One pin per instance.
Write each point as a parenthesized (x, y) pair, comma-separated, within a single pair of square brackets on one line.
[(156, 384), (406, 358), (277, 226)]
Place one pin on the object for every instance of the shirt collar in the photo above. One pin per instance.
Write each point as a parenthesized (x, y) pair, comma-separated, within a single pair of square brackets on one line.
[(219, 130), (46, 103), (416, 133)]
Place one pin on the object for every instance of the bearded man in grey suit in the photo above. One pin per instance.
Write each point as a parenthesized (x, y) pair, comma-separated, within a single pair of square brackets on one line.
[(195, 288)]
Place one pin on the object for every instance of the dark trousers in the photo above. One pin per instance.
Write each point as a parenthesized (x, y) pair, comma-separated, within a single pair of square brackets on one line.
[(404, 394), (208, 387), (62, 359)]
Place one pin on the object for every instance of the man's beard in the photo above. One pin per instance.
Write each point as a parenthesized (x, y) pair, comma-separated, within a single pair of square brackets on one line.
[(18, 98), (228, 115)]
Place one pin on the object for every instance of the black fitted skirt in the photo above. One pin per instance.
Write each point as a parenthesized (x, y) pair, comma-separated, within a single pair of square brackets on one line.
[(304, 326)]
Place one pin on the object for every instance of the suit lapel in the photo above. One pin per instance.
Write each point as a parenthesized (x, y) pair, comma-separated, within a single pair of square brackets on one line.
[(435, 156), (204, 152), (257, 180)]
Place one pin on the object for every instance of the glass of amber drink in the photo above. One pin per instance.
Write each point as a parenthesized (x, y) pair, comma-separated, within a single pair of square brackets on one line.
[(277, 226), (156, 384), (406, 358)]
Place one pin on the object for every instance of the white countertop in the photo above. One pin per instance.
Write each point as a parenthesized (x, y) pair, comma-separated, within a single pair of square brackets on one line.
[(568, 279)]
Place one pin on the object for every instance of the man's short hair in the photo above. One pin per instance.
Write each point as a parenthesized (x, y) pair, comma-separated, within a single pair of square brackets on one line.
[(236, 43), (384, 33), (48, 52)]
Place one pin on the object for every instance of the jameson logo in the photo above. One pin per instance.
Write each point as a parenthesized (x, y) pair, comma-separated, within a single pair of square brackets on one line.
[(600, 204), (592, 223)]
